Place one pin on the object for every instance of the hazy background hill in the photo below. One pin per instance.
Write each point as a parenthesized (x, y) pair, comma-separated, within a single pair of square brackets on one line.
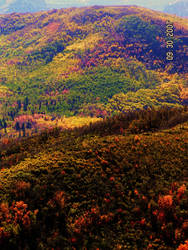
[(9, 6), (179, 8)]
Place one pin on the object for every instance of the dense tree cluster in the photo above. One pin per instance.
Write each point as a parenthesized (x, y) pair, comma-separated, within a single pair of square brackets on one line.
[(110, 186)]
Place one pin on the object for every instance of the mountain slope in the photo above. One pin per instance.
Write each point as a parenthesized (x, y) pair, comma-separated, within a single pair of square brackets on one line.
[(84, 61), (102, 189)]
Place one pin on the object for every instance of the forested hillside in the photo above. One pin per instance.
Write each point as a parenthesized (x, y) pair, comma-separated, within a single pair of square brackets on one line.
[(116, 184), (87, 62)]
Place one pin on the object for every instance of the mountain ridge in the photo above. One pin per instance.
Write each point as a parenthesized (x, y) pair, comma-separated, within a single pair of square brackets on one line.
[(7, 6)]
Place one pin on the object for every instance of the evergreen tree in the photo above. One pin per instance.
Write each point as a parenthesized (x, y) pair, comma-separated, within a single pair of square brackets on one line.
[(23, 129)]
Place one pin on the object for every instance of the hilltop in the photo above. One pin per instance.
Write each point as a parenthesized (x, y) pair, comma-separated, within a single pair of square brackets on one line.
[(9, 6), (91, 61)]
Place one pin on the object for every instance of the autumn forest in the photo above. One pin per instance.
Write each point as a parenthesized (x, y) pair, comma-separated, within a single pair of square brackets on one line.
[(93, 129)]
